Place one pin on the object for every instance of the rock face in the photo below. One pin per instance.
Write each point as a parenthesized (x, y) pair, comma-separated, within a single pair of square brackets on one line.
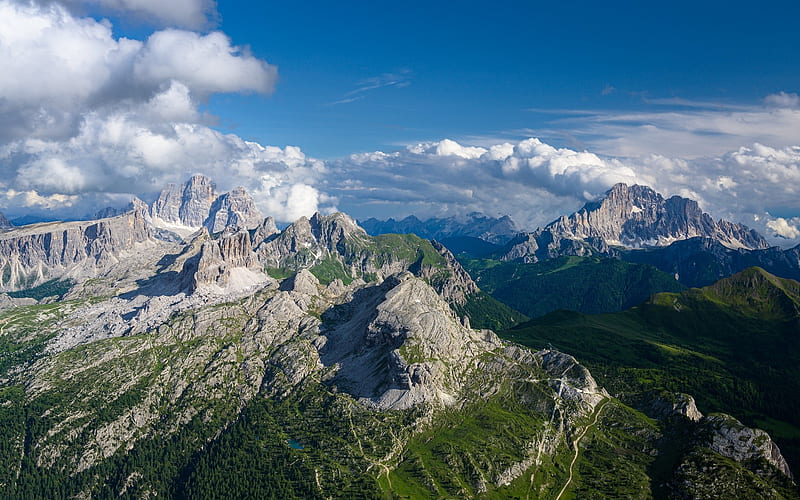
[(227, 261), (337, 240), (730, 438), (235, 208), (636, 216), (416, 336), (629, 217), (196, 203), (34, 254), (475, 224), (5, 224)]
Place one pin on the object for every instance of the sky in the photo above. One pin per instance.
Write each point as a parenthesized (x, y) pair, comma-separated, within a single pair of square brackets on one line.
[(389, 109)]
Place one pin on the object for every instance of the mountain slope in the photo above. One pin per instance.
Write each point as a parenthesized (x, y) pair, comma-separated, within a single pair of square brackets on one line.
[(586, 284), (702, 261), (312, 392), (733, 345)]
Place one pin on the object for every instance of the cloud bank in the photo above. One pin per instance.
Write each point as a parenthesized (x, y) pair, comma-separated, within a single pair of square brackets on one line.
[(87, 118)]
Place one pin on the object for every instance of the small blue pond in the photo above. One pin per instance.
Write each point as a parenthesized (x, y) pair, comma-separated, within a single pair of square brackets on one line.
[(295, 445)]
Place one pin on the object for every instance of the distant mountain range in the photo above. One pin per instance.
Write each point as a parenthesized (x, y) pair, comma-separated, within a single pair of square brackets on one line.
[(475, 225), (628, 217)]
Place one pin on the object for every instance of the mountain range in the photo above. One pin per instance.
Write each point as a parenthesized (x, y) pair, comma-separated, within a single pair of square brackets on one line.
[(628, 217), (474, 225), (190, 349)]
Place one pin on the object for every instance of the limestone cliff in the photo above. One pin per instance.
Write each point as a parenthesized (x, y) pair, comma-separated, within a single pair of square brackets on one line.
[(33, 254)]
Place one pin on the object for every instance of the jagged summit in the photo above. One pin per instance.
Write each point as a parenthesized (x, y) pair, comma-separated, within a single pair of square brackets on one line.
[(637, 216), (5, 224), (196, 204), (629, 217), (475, 225), (235, 208)]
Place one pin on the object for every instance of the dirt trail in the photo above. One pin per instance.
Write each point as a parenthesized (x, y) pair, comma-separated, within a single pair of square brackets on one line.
[(575, 445)]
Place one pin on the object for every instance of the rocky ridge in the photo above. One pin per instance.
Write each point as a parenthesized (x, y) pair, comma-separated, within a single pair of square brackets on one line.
[(196, 204), (476, 225), (31, 255), (629, 217)]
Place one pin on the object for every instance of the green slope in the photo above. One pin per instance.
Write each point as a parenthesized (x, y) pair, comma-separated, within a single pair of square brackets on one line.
[(587, 284), (734, 345)]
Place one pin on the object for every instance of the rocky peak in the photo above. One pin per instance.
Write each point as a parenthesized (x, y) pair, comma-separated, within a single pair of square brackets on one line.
[(5, 224), (187, 205), (235, 208), (637, 216), (227, 261), (730, 438), (332, 230), (198, 195), (263, 231), (302, 282), (412, 339)]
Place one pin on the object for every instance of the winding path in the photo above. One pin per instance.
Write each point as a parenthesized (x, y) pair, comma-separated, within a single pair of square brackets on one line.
[(575, 445)]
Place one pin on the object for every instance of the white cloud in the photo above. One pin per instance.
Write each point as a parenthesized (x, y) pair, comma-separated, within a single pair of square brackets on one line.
[(783, 100), (87, 119), (681, 128), (190, 14), (205, 63), (57, 67), (789, 229)]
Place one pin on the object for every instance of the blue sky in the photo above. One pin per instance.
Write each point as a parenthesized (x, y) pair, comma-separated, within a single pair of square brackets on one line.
[(383, 109), (475, 69)]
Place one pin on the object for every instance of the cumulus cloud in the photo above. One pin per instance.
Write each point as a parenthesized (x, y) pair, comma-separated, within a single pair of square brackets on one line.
[(205, 63), (88, 119), (789, 229), (531, 180), (57, 66), (191, 14), (535, 182), (783, 100)]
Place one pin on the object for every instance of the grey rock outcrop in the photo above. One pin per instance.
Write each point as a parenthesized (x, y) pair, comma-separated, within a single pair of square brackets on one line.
[(302, 282), (34, 254), (235, 208), (263, 230), (730, 438), (629, 217), (676, 405), (188, 204), (5, 224), (7, 302), (227, 261)]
